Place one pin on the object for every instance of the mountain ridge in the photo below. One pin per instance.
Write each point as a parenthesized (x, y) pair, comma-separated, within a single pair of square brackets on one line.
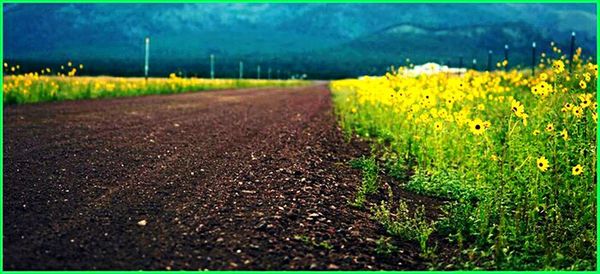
[(344, 39)]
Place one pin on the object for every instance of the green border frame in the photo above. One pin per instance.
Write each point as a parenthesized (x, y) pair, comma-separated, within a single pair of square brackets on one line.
[(281, 2)]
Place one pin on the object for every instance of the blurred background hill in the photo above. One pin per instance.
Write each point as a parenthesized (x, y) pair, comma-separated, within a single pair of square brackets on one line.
[(322, 40)]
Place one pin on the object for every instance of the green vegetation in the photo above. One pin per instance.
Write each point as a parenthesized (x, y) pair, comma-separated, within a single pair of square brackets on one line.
[(313, 242), (33, 88), (402, 224), (514, 153), (370, 174), (385, 247)]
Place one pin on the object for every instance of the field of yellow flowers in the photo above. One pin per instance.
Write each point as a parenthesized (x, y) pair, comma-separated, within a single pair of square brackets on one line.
[(514, 152), (44, 86)]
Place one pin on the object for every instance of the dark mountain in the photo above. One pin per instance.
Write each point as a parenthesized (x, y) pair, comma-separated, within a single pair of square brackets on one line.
[(323, 40), (422, 44)]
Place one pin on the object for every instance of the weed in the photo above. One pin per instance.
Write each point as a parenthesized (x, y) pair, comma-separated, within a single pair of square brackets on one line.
[(384, 246), (370, 175), (403, 225), (312, 242)]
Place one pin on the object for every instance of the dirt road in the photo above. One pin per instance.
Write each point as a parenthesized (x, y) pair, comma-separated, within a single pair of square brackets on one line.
[(238, 179)]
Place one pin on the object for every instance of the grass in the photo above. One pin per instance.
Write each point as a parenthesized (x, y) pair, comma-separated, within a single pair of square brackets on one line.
[(515, 152), (402, 224), (385, 247), (370, 174), (313, 242), (34, 88)]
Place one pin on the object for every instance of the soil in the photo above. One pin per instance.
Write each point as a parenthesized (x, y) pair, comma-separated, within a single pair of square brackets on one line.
[(236, 179)]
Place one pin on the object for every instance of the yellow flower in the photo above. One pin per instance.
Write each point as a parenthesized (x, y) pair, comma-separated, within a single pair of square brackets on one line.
[(543, 76), (524, 117), (568, 106), (582, 84), (437, 126), (577, 170), (476, 126), (559, 66), (542, 89), (517, 108), (353, 110), (586, 100), (550, 127), (578, 112), (542, 163), (565, 134), (5, 64), (536, 132)]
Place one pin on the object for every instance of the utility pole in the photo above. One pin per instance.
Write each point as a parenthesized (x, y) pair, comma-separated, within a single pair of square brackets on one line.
[(212, 66), (506, 56), (241, 69), (572, 51), (533, 59), (269, 73), (146, 58), (489, 64)]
